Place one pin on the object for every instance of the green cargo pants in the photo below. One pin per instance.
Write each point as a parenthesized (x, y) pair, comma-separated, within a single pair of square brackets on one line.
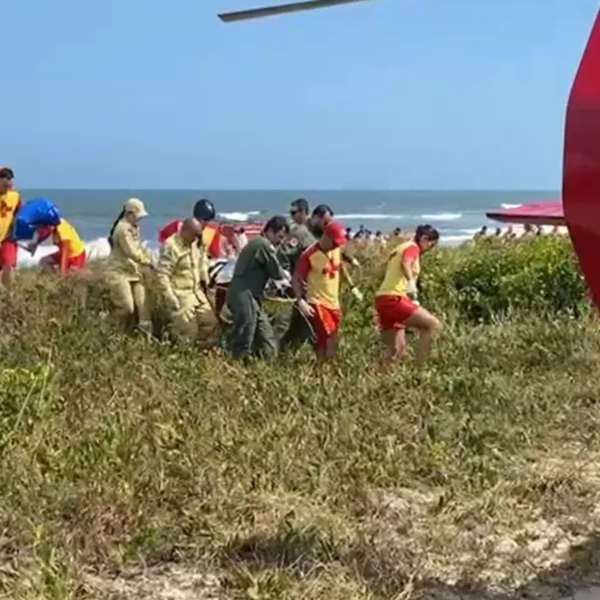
[(298, 332), (252, 332)]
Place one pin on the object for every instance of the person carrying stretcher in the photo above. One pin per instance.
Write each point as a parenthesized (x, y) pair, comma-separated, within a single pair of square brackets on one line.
[(319, 272), (257, 263), (181, 281)]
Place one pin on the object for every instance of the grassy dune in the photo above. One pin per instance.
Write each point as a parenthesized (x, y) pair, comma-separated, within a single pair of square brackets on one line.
[(135, 470)]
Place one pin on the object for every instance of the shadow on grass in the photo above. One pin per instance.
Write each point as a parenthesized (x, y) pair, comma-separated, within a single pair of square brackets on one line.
[(576, 578), (299, 554)]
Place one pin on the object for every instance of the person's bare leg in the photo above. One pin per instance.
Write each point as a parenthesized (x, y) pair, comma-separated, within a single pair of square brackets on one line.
[(8, 277), (394, 344), (331, 350), (46, 264), (427, 326), (400, 343)]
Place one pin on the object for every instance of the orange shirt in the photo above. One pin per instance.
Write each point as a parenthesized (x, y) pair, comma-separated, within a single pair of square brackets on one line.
[(321, 272), (10, 202), (395, 282)]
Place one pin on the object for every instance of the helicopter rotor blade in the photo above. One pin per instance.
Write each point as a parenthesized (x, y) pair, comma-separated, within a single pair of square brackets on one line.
[(281, 9)]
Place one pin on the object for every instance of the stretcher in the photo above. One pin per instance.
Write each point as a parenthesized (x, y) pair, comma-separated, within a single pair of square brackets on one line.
[(276, 298)]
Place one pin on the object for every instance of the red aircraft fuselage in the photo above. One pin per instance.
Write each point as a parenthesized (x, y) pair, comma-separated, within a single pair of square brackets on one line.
[(581, 169)]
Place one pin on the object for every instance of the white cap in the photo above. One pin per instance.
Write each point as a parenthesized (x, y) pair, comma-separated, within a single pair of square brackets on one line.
[(135, 207)]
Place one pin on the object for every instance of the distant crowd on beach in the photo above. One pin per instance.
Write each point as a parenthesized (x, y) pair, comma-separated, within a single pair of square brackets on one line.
[(512, 233)]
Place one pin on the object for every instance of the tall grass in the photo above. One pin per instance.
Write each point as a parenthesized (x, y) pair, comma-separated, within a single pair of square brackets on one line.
[(266, 481)]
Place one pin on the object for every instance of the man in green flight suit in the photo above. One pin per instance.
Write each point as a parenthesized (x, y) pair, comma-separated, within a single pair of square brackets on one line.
[(256, 264), (295, 327)]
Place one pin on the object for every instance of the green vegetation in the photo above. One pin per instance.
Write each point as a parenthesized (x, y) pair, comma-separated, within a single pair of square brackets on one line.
[(267, 482)]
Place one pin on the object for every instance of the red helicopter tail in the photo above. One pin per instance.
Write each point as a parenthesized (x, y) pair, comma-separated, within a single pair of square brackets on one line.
[(581, 167)]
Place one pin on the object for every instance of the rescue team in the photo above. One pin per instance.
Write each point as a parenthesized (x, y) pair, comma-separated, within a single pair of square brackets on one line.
[(308, 255)]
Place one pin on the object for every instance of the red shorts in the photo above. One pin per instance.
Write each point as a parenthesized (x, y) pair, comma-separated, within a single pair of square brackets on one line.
[(8, 254), (326, 323), (394, 311), (75, 263)]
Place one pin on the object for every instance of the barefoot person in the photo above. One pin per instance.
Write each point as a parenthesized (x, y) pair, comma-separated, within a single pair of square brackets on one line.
[(319, 272), (182, 277), (71, 250), (257, 263), (395, 301), (10, 202), (126, 265)]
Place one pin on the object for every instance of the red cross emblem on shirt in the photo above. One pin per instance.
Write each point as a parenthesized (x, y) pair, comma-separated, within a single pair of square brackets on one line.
[(4, 210), (331, 269)]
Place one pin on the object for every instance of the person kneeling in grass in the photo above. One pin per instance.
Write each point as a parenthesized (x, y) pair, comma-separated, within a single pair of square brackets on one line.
[(396, 301), (319, 271), (70, 255)]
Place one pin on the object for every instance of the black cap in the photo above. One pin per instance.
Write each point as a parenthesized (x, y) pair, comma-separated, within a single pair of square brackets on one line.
[(6, 173)]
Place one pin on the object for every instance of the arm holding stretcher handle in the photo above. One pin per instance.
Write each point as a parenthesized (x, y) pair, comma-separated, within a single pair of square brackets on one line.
[(353, 289)]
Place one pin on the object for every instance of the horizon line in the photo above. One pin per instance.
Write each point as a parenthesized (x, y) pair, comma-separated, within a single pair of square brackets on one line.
[(285, 190)]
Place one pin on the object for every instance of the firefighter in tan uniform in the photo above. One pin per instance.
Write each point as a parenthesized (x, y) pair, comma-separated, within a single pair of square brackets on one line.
[(182, 277), (128, 266)]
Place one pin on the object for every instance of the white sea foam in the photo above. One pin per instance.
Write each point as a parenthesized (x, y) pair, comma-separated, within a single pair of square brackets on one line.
[(240, 216), (442, 217), (368, 217)]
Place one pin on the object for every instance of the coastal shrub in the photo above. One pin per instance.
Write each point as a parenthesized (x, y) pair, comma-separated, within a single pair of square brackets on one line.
[(133, 469), (486, 281), (490, 279)]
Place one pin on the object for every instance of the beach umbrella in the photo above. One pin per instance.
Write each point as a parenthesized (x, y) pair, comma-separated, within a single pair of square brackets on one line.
[(581, 166)]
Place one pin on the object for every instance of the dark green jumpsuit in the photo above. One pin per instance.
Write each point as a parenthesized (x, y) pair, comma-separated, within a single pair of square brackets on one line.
[(296, 328), (252, 331)]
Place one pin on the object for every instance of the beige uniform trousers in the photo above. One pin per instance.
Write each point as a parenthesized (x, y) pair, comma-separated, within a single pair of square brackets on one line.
[(128, 298), (196, 324)]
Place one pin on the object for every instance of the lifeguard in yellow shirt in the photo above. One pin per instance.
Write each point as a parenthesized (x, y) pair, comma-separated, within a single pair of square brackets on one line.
[(396, 300), (71, 250), (10, 202), (316, 284)]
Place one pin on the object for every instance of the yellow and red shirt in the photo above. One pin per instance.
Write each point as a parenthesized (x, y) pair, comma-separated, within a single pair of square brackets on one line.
[(211, 237), (395, 282), (10, 202), (65, 236), (321, 272), (211, 240)]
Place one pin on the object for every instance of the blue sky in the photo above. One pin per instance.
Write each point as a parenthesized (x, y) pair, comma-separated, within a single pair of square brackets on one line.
[(399, 94)]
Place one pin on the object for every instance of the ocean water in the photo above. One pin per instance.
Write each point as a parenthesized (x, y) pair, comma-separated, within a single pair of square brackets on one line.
[(457, 214)]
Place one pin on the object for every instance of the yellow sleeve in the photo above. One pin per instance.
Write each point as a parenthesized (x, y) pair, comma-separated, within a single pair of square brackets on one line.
[(166, 265), (130, 245)]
